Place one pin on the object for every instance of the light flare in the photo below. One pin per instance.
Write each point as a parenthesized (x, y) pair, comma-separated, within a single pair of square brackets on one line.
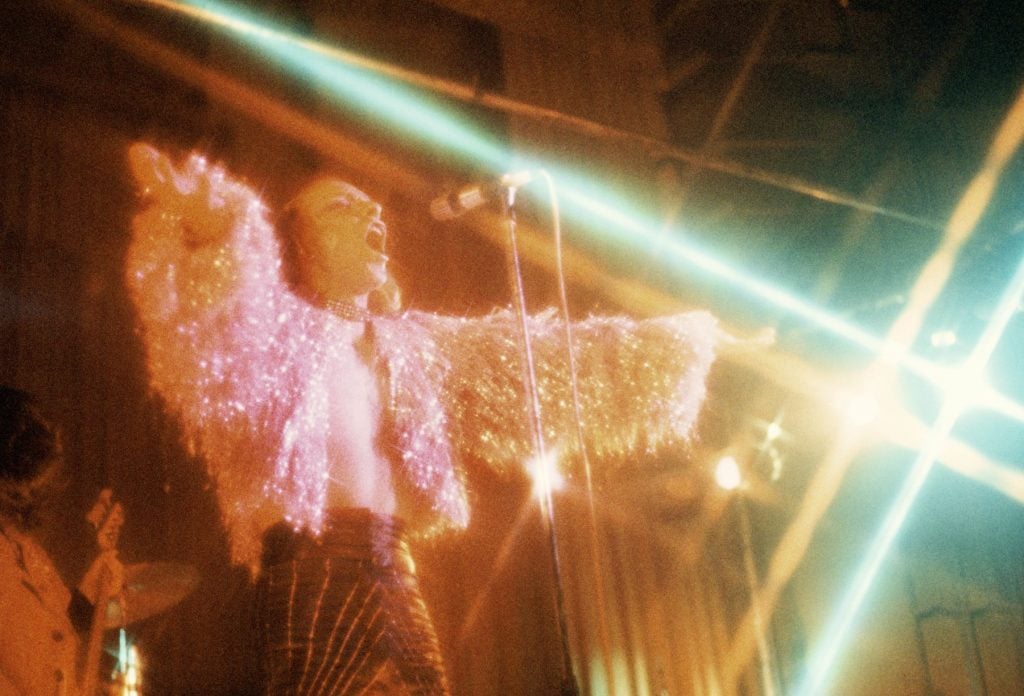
[(945, 338), (353, 80), (860, 408), (346, 78), (820, 665), (773, 431), (546, 476), (827, 479), (727, 473), (129, 668)]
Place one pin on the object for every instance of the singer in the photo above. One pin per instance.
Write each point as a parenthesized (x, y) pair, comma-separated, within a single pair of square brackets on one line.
[(335, 434)]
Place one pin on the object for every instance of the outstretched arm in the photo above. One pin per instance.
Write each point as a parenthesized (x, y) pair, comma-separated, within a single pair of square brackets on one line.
[(229, 348), (641, 384), (203, 271), (198, 238), (197, 194)]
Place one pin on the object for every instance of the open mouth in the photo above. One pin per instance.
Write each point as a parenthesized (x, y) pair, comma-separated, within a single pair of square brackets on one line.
[(376, 234)]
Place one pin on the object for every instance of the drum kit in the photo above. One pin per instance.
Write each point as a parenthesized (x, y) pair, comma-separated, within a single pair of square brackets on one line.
[(149, 589)]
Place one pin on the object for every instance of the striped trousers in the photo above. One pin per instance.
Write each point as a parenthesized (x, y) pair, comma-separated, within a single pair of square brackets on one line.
[(342, 614)]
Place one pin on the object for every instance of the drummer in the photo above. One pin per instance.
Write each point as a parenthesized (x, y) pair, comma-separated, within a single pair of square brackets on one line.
[(42, 618)]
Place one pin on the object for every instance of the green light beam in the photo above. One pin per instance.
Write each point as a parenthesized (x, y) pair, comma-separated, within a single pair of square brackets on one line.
[(351, 80), (347, 80), (953, 407), (587, 201)]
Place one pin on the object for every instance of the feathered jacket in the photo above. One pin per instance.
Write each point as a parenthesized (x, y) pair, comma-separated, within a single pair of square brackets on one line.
[(245, 365)]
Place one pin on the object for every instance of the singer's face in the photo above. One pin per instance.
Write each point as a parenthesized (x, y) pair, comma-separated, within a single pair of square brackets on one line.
[(340, 241)]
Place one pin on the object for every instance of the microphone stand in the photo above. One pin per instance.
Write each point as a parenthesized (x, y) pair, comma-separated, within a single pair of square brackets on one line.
[(568, 687)]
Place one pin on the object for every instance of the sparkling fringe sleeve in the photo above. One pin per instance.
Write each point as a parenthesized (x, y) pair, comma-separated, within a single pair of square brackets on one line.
[(641, 385), (232, 353)]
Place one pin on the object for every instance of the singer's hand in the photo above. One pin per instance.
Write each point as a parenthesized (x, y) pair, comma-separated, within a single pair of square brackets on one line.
[(731, 343), (190, 195), (205, 216)]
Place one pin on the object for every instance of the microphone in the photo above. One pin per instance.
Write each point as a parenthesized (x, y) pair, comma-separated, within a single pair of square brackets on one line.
[(451, 205)]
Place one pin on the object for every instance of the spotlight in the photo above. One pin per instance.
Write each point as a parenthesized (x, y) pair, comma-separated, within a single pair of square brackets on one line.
[(858, 408), (944, 339), (727, 473), (967, 386), (545, 474), (768, 457)]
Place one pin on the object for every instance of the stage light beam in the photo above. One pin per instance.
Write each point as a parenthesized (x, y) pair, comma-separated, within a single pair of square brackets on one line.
[(351, 80), (348, 80), (954, 405)]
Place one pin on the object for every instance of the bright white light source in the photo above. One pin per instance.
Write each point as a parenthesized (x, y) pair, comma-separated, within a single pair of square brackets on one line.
[(965, 386), (859, 408), (131, 674), (943, 339), (545, 474), (727, 473)]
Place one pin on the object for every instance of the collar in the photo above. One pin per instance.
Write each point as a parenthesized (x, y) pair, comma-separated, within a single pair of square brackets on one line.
[(349, 310)]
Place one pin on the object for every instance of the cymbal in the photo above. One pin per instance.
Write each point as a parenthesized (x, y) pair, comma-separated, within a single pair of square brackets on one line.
[(149, 589)]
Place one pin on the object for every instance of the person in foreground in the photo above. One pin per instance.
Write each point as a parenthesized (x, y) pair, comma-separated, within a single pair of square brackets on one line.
[(40, 647), (335, 434)]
